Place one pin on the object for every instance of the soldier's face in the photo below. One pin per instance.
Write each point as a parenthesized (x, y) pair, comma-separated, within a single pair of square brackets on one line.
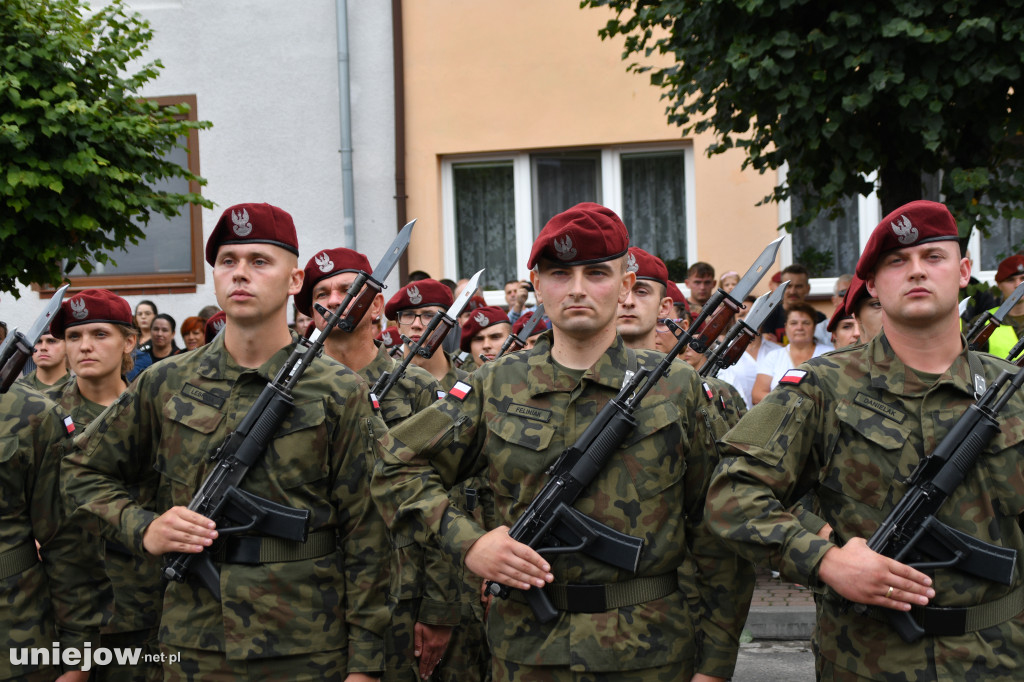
[(918, 286), (847, 333), (49, 352), (488, 342), (581, 300), (95, 349), (1010, 283), (331, 292), (639, 312), (414, 321), (253, 281), (869, 319)]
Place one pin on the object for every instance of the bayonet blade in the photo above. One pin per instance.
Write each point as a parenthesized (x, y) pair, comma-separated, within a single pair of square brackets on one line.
[(756, 271), (535, 318), (464, 297), (1011, 300), (42, 323), (394, 253), (763, 307), (963, 305)]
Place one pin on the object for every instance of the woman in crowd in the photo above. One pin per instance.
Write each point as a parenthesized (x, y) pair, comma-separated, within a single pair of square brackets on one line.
[(800, 332), (162, 337), (145, 311), (193, 332)]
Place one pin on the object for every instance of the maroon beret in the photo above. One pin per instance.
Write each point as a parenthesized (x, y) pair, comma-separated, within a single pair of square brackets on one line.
[(1014, 265), (856, 294), (586, 233), (646, 266), (520, 323), (328, 263), (838, 315), (474, 303), (417, 294), (918, 222), (676, 294), (390, 337), (215, 324), (252, 224), (91, 305), (481, 319), (777, 277)]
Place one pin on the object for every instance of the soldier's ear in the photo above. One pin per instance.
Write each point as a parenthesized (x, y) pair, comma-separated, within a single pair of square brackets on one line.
[(295, 281), (628, 280)]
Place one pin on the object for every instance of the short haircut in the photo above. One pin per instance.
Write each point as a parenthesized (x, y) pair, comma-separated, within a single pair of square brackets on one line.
[(805, 308), (417, 275), (795, 269), (511, 281), (170, 320), (700, 269)]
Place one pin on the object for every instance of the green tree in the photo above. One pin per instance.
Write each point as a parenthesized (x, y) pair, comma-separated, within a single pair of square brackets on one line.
[(839, 90), (79, 149)]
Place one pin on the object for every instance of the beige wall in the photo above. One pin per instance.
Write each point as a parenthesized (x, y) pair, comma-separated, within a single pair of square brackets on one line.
[(500, 75)]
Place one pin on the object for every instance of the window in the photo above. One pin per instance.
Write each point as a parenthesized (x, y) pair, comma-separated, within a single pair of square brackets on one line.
[(828, 247), (494, 206), (170, 258)]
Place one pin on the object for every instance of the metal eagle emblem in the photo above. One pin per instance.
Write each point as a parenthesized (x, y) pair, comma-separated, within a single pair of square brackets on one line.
[(414, 296), (904, 230), (219, 325), (564, 249), (386, 338), (324, 262), (78, 309), (241, 225), (631, 264), (481, 319)]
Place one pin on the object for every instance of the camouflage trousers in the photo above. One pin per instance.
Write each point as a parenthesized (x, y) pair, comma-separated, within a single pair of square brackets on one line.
[(146, 641), (468, 658), (506, 671), (401, 665), (195, 665)]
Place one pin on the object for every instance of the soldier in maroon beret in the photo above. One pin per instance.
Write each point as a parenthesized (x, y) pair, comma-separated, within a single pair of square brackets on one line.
[(412, 307), (648, 301), (521, 323), (215, 325), (485, 330), (1009, 275)]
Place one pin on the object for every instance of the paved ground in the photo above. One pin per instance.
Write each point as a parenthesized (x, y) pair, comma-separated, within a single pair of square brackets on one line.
[(777, 635), (775, 662)]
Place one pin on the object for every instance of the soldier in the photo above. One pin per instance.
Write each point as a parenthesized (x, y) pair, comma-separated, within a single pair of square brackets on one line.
[(425, 598), (1008, 276), (520, 325), (51, 370), (412, 307), (96, 326), (287, 610), (849, 427), (484, 332), (511, 419)]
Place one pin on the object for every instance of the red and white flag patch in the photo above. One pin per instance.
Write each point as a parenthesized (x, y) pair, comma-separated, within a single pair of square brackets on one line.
[(374, 401), (793, 376), (69, 425), (460, 390)]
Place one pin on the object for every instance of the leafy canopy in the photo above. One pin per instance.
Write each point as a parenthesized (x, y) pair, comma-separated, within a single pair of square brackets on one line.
[(80, 150), (839, 90)]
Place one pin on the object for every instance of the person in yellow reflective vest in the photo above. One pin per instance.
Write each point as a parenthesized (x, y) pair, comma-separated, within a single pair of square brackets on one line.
[(1009, 274)]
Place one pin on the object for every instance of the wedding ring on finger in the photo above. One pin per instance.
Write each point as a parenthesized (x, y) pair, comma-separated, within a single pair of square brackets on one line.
[(888, 594)]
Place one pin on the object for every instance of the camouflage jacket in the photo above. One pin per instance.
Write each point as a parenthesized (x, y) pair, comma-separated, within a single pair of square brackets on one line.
[(453, 375), (161, 432), (851, 432), (135, 581), (416, 570), (32, 379), (56, 599), (519, 413)]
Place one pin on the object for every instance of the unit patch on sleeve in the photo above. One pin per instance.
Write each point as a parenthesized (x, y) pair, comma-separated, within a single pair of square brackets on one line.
[(460, 390), (69, 424), (793, 377)]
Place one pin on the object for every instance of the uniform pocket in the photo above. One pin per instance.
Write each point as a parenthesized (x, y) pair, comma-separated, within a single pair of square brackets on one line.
[(654, 452), (296, 454), (186, 440), (518, 452)]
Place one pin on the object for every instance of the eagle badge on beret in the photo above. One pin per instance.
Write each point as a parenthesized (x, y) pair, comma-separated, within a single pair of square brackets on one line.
[(904, 230), (324, 262), (415, 297), (564, 248)]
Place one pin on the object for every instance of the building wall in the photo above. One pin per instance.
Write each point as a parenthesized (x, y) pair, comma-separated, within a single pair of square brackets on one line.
[(490, 75)]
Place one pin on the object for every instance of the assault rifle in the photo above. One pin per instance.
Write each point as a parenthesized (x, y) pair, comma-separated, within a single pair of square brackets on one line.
[(431, 339), (987, 322), (736, 340), (220, 498), (17, 348), (550, 524), (513, 342), (912, 535)]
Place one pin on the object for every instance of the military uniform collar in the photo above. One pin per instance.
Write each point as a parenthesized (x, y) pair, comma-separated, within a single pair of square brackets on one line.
[(217, 363), (545, 377), (889, 373)]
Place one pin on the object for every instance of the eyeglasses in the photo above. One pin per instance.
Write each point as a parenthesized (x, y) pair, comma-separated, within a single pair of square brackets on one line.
[(407, 316), (665, 324), (841, 294)]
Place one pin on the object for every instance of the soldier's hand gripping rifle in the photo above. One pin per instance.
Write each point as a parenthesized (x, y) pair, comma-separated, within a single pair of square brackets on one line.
[(728, 352), (17, 348), (220, 498), (987, 322), (550, 524), (431, 339), (513, 342), (912, 535)]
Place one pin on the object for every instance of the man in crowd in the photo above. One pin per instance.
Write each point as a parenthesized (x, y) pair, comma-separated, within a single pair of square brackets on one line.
[(850, 427), (484, 333), (700, 280), (515, 298), (774, 326), (50, 358), (287, 610), (512, 418)]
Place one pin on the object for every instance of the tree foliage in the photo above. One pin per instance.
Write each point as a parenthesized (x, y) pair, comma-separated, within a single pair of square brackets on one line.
[(844, 89), (80, 149)]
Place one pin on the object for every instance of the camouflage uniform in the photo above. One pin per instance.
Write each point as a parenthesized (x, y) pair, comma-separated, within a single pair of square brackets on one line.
[(329, 593), (422, 588), (519, 414), (851, 432), (56, 600), (453, 375), (135, 582), (32, 379)]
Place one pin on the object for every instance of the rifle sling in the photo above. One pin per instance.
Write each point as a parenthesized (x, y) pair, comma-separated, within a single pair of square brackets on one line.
[(263, 549), (953, 621), (18, 559), (584, 598)]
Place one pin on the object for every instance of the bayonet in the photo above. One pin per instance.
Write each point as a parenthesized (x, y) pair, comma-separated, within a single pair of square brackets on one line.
[(987, 322), (729, 351), (17, 348), (520, 341)]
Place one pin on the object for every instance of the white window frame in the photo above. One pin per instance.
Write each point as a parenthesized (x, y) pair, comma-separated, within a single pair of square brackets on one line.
[(611, 192)]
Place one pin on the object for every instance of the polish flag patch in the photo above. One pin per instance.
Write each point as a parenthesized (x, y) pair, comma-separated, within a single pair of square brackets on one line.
[(69, 425), (374, 401), (707, 392), (441, 395), (460, 390), (793, 376)]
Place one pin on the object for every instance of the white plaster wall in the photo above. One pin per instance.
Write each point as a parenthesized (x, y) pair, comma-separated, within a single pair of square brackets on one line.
[(266, 74)]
